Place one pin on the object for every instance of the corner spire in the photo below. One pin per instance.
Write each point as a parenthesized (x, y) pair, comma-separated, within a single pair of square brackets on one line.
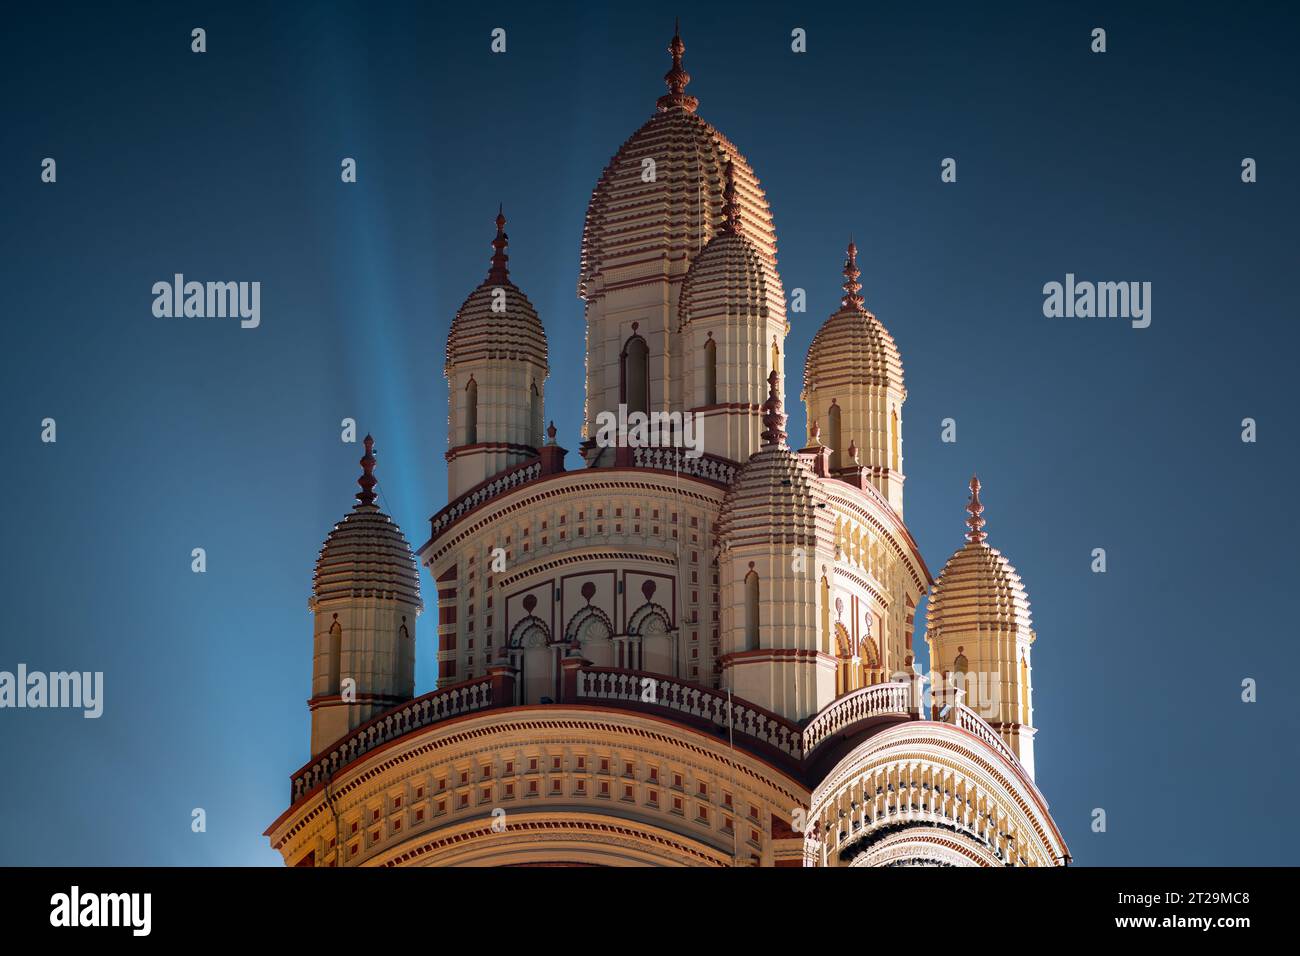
[(852, 298), (730, 208), (499, 273), (976, 533), (677, 78), (773, 414), (367, 481)]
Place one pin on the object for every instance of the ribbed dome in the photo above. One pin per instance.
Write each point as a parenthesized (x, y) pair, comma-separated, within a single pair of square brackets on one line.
[(514, 332), (637, 230), (978, 588), (730, 279), (479, 333), (773, 497), (852, 347), (366, 555), (770, 499)]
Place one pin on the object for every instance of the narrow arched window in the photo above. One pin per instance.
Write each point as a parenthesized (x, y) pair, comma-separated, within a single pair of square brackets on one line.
[(833, 427), (471, 413), (959, 667), (893, 439), (751, 611), (405, 662), (710, 373), (334, 652), (636, 375)]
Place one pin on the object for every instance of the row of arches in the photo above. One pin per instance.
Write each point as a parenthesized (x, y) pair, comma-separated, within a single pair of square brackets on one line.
[(648, 645)]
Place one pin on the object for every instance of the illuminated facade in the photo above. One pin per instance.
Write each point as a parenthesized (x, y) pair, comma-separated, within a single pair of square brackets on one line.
[(689, 654)]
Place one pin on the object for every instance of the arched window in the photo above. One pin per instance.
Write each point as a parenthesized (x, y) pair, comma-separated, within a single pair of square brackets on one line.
[(405, 662), (334, 652), (833, 426), (893, 439), (710, 373), (471, 413), (844, 676), (959, 668), (636, 375), (535, 417), (751, 611)]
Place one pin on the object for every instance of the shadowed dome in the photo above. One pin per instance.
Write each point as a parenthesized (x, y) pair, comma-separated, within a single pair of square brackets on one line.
[(638, 231), (366, 555), (730, 278), (852, 347), (978, 589), (772, 497), (512, 331)]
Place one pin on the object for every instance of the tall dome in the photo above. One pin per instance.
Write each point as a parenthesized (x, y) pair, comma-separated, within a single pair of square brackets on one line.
[(731, 327), (731, 278), (978, 588), (496, 370), (853, 387), (853, 347), (660, 199), (366, 555), (980, 634), (497, 320), (768, 537), (365, 599)]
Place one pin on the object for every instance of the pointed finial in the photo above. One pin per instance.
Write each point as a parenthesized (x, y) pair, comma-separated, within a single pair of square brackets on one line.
[(773, 414), (853, 451), (367, 481), (550, 434), (730, 208), (976, 508), (677, 78), (852, 288), (815, 433), (499, 273)]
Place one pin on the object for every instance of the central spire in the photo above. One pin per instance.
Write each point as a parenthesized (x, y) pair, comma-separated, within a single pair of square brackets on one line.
[(367, 481), (773, 413), (852, 287), (499, 273), (976, 508), (730, 208), (677, 78)]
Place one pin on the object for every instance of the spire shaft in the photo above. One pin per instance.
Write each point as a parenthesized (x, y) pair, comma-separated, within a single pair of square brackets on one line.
[(852, 298), (677, 78), (499, 272), (730, 208), (367, 481), (975, 507), (773, 413)]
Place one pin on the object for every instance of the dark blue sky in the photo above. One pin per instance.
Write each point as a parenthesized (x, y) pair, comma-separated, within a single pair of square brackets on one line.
[(183, 433)]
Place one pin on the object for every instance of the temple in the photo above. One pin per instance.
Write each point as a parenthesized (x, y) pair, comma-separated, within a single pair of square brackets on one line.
[(660, 655)]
